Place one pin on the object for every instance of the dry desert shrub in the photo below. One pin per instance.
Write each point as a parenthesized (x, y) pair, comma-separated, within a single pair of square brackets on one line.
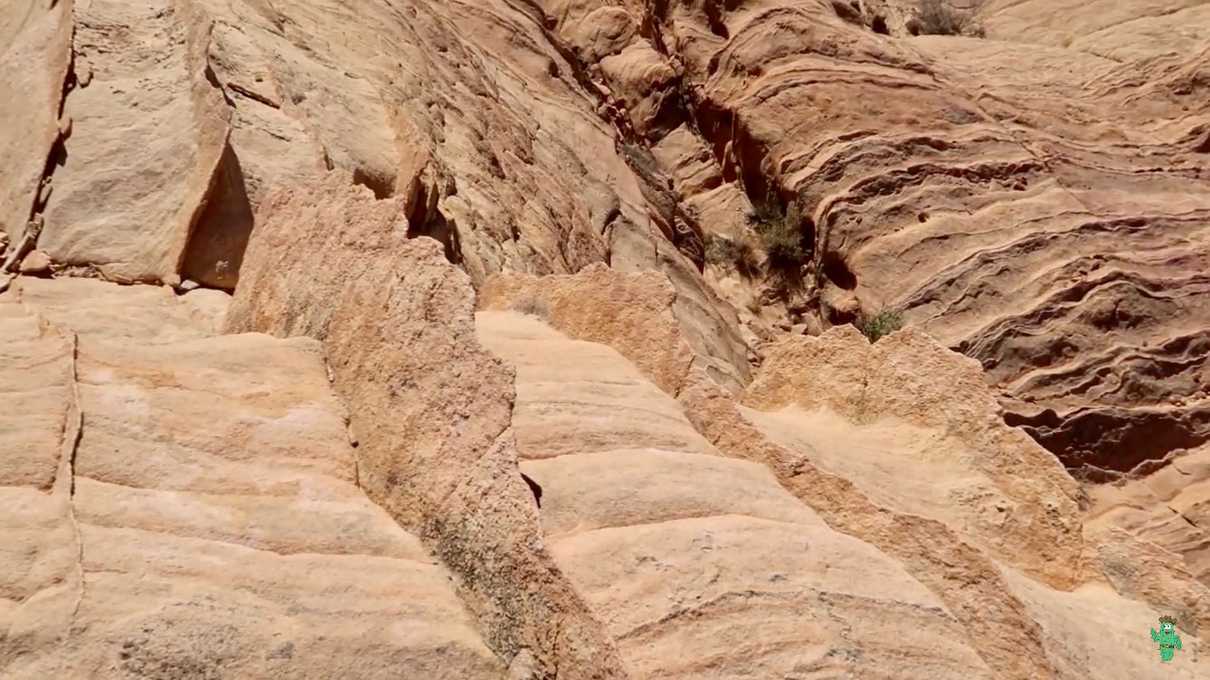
[(781, 235), (532, 306), (939, 17), (737, 254), (881, 324)]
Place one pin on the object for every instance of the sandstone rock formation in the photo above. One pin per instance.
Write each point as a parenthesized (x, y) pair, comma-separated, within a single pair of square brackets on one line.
[(395, 338), (1073, 174), (685, 554), (896, 444), (182, 504), (430, 410)]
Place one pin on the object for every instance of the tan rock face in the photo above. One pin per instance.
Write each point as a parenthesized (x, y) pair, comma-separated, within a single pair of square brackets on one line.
[(621, 466), (982, 477), (1168, 507), (556, 135), (1038, 208), (181, 504), (697, 564), (429, 408), (897, 444), (35, 63), (37, 262)]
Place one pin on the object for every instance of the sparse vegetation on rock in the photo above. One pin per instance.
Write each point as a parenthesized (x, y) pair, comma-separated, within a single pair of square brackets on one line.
[(781, 236), (534, 307), (734, 253), (938, 17), (880, 324)]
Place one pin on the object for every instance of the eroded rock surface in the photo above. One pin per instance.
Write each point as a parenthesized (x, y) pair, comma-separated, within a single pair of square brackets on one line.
[(632, 463), (430, 409), (1169, 507), (683, 553), (1033, 198), (897, 444), (181, 504)]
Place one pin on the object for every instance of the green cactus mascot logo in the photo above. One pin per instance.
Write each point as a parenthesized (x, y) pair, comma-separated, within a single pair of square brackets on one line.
[(1167, 638)]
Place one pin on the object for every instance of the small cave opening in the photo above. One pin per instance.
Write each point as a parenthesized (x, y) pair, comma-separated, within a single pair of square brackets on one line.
[(716, 19), (383, 187), (838, 272), (215, 249), (426, 219), (878, 25)]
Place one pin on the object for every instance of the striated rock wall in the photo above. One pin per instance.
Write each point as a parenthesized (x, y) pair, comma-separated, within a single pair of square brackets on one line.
[(1032, 198), (632, 461), (1034, 203)]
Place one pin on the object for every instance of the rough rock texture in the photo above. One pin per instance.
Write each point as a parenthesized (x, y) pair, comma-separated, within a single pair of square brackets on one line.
[(154, 483), (1037, 207), (634, 312), (999, 485), (1032, 199), (429, 408), (897, 444), (700, 565), (656, 200), (34, 62), (1169, 507)]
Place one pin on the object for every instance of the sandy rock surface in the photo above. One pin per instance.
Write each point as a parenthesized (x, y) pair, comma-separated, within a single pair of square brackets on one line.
[(682, 552), (185, 504)]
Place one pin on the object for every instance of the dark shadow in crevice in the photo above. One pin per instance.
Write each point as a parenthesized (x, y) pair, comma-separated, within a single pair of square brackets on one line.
[(216, 245), (838, 272), (1102, 444), (534, 488), (426, 219), (382, 187), (716, 19)]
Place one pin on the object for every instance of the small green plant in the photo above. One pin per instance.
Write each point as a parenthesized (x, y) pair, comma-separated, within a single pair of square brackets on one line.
[(532, 306), (881, 324), (737, 254)]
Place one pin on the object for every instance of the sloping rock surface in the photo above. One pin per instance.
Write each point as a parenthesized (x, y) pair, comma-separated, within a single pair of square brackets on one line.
[(631, 463), (683, 553), (181, 504), (896, 444)]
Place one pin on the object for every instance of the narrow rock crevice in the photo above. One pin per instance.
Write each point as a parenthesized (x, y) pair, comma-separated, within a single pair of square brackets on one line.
[(425, 218), (65, 480)]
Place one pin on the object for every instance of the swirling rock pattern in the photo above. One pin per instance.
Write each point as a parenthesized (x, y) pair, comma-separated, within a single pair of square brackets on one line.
[(1036, 201)]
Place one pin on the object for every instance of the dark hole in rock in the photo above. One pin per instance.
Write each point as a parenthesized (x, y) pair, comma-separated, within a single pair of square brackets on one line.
[(534, 488), (381, 186), (426, 219), (879, 26), (217, 242), (838, 272), (718, 23)]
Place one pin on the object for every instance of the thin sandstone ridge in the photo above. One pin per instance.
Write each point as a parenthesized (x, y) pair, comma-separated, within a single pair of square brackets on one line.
[(430, 409)]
